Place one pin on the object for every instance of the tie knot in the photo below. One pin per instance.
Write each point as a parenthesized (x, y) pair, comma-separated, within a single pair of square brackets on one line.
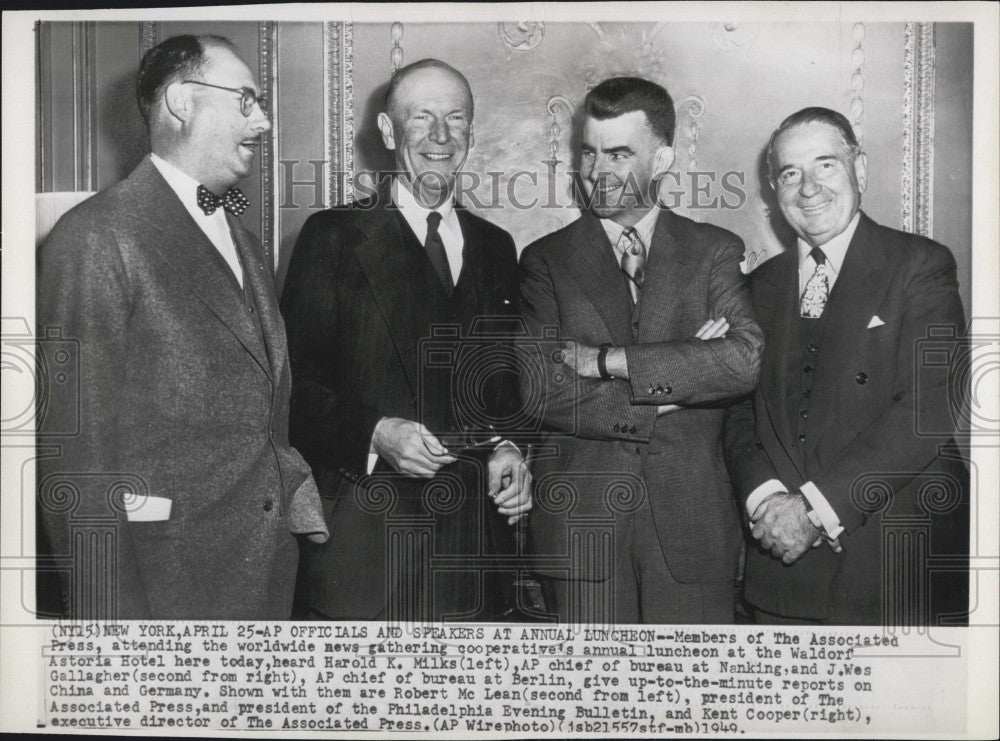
[(632, 244), (818, 256), (433, 220)]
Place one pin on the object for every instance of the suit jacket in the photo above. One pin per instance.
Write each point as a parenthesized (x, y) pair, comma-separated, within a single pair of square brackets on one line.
[(608, 448), (360, 300), (182, 397), (879, 414)]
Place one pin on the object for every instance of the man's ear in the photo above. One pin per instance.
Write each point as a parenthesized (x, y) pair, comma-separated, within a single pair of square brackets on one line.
[(662, 160), (177, 98), (472, 136), (388, 133), (861, 171)]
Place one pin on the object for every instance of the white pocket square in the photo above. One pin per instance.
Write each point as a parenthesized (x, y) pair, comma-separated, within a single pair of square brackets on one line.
[(875, 322), (147, 509)]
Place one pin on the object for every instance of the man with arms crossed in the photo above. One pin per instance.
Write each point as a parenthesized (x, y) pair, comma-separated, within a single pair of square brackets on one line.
[(663, 330), (366, 285), (830, 452), (184, 381)]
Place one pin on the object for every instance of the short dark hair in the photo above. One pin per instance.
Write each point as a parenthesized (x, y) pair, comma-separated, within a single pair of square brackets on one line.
[(620, 95), (403, 72), (175, 58), (814, 114)]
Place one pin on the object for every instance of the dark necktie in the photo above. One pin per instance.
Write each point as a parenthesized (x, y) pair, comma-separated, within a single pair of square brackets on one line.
[(817, 289), (233, 201), (633, 261), (435, 250)]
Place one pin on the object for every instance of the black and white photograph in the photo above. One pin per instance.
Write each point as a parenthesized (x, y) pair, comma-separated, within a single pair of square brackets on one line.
[(413, 371)]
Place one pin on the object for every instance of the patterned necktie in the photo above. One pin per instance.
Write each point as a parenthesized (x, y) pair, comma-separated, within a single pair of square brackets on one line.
[(435, 250), (817, 289), (233, 201), (633, 261)]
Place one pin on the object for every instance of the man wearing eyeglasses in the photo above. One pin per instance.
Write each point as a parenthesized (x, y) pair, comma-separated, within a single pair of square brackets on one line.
[(184, 386)]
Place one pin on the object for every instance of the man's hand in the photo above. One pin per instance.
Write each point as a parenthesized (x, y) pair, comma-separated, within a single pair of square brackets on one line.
[(409, 447), (783, 527), (509, 483), (582, 359)]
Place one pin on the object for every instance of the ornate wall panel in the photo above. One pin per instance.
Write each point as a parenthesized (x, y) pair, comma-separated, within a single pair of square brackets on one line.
[(917, 179)]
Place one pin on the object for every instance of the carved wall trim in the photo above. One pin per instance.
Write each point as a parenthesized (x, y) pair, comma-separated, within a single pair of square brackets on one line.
[(338, 77), (149, 36), (396, 53), (917, 200), (556, 106), (520, 35), (43, 85), (84, 86), (268, 75), (858, 82), (694, 106)]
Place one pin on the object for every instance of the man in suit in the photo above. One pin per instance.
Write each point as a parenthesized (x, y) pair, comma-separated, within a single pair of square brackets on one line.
[(847, 441), (183, 407), (378, 292), (662, 334)]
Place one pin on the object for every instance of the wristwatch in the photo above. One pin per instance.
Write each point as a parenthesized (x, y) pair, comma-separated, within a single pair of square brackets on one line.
[(811, 514), (602, 362)]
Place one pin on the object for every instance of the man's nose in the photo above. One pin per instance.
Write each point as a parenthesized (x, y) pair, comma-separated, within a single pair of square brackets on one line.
[(809, 187), (439, 131), (261, 122)]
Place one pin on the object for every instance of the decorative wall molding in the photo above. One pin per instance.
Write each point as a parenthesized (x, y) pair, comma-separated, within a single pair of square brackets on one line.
[(694, 105), (43, 85), (858, 82), (267, 73), (396, 53), (557, 105), (521, 35), (733, 36), (149, 36), (917, 198), (84, 86), (338, 76)]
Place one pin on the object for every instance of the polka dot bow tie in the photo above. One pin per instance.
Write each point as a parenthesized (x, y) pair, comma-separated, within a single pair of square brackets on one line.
[(233, 201)]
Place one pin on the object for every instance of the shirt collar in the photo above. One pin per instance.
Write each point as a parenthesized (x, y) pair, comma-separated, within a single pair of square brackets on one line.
[(409, 205), (644, 228), (835, 249), (185, 186)]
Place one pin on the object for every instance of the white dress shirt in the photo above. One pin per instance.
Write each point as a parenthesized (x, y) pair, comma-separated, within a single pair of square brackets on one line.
[(835, 251), (215, 227), (449, 229), (644, 228)]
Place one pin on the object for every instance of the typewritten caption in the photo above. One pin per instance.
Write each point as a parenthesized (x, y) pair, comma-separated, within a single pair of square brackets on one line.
[(656, 680)]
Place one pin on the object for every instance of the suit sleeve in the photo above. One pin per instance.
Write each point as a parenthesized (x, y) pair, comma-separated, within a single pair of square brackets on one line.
[(586, 408), (83, 296), (921, 399), (692, 371), (748, 464), (326, 423)]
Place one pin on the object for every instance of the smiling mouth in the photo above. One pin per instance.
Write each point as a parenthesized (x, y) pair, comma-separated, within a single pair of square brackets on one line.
[(814, 209), (250, 144), (435, 157)]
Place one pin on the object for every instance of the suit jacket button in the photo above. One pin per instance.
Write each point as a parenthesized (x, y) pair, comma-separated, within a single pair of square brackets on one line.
[(618, 428), (861, 378), (659, 389), (802, 438), (651, 390), (268, 504), (804, 413), (812, 347), (668, 390), (635, 325), (632, 430)]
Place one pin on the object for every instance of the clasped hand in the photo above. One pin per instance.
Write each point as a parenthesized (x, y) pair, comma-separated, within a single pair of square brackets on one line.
[(782, 526), (413, 450)]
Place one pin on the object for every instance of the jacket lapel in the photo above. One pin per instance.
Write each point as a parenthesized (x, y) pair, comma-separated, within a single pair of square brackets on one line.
[(390, 267), (855, 298), (777, 310), (257, 279), (184, 248), (668, 271), (592, 264), (473, 260)]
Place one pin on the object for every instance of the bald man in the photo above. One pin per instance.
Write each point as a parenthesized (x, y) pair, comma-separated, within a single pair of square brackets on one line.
[(418, 487)]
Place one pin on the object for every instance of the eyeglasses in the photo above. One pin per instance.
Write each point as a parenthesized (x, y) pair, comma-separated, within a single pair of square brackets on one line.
[(247, 96)]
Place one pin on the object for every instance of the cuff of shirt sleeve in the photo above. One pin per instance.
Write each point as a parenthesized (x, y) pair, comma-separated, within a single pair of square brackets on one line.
[(831, 523), (372, 460), (762, 492), (508, 442)]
